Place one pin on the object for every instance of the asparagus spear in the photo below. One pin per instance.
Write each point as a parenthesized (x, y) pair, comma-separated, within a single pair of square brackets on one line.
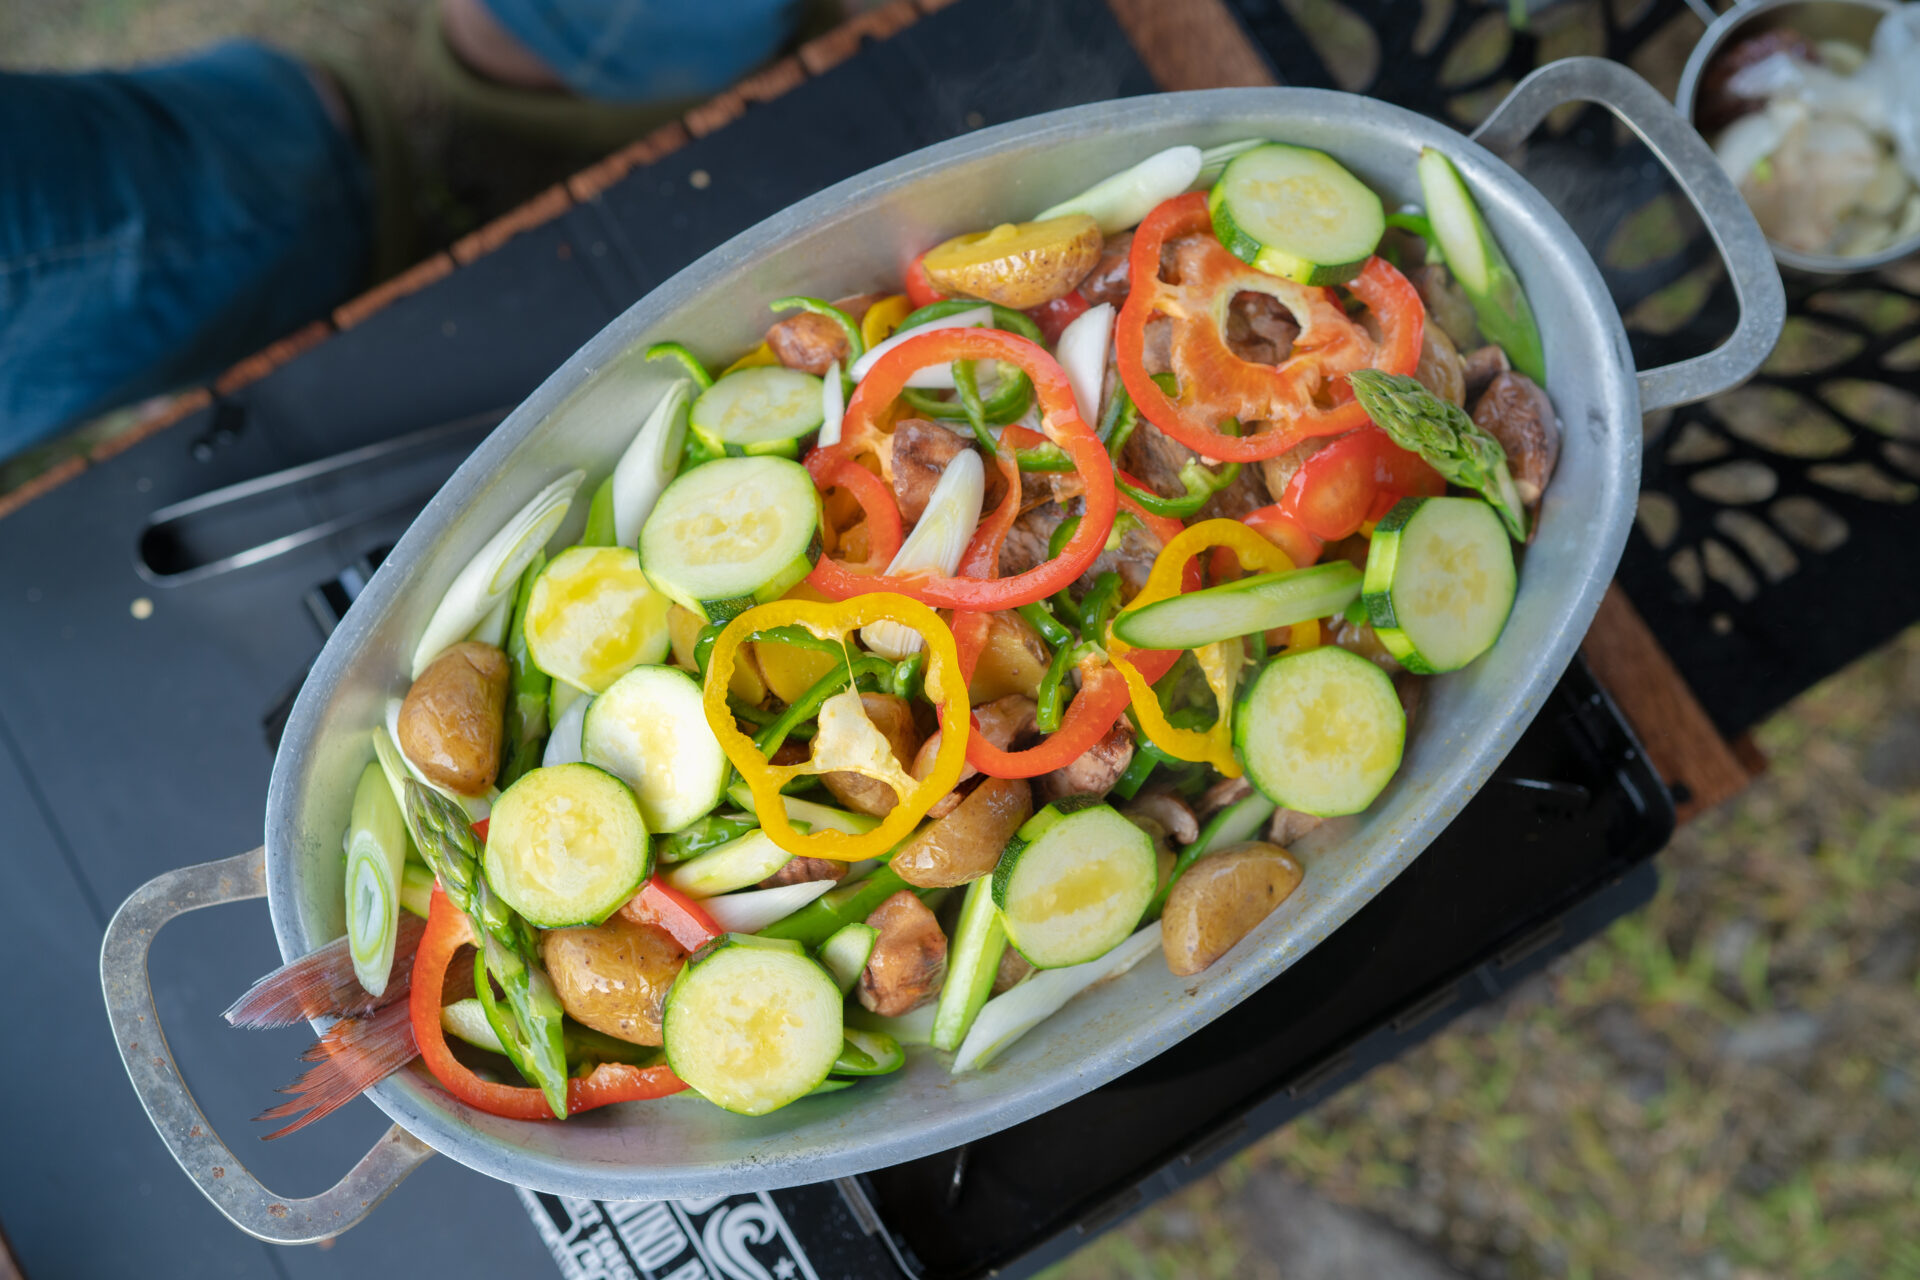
[(530, 1025), (1442, 433), (526, 734)]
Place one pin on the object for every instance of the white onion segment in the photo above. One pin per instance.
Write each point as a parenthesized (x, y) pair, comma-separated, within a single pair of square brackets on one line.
[(647, 466), (1006, 1018), (1082, 353), (494, 572), (1122, 200), (935, 546)]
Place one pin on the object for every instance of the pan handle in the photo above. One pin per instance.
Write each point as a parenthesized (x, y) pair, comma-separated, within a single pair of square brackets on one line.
[(178, 1118), (1685, 154)]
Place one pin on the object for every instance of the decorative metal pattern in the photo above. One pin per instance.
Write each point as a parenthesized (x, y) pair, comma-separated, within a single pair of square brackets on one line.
[(1768, 515)]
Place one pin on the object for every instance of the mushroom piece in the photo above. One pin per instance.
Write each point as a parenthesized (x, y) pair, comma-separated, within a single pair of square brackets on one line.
[(1516, 412), (1094, 773), (805, 871), (909, 958)]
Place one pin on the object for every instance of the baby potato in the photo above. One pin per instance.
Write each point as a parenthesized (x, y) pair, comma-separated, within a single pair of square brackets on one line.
[(1018, 265), (966, 844), (1013, 660), (893, 717), (613, 977), (454, 715), (1219, 901)]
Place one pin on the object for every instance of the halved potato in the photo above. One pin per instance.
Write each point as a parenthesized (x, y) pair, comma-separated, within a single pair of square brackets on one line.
[(1219, 901), (1018, 265)]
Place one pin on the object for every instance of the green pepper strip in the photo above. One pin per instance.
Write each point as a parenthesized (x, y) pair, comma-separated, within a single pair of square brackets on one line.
[(814, 923), (1012, 397), (797, 302), (709, 832), (1051, 697), (1062, 534), (1043, 457), (1143, 764), (675, 351), (969, 391), (1118, 422), (1201, 484), (1042, 620), (1097, 610)]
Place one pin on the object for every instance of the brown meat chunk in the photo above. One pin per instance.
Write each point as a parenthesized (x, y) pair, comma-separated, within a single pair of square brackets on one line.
[(1482, 365), (1111, 277), (918, 452), (1260, 329), (1517, 413), (909, 958), (1094, 773), (1441, 370), (1246, 495), (805, 871), (808, 342), (1156, 346)]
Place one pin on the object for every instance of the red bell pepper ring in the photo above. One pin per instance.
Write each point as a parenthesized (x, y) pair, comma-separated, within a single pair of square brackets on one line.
[(830, 470), (920, 290), (1103, 693), (610, 1082), (480, 828), (663, 906), (1062, 425), (1305, 395), (1054, 317), (1355, 479)]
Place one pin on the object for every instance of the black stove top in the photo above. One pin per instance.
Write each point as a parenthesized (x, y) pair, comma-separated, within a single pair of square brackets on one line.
[(133, 689)]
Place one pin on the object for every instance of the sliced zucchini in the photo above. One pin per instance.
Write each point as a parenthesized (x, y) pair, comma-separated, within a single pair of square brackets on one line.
[(1320, 731), (973, 962), (592, 616), (650, 731), (737, 864), (762, 409), (566, 845), (732, 534), (869, 1053), (1474, 257), (1072, 885), (753, 1023), (1257, 603), (1440, 582), (1295, 212), (846, 953)]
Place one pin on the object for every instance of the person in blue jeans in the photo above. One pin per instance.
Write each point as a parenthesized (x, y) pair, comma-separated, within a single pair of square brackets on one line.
[(160, 223)]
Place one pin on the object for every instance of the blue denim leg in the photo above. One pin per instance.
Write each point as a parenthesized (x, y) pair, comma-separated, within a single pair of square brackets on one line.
[(158, 224), (632, 50)]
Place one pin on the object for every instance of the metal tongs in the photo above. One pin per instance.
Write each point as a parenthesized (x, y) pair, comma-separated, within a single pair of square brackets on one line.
[(184, 542)]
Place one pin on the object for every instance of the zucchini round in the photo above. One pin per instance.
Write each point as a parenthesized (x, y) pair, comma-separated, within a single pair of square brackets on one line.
[(763, 409), (1295, 212), (566, 845), (1440, 582), (650, 731), (753, 1023), (1320, 731), (732, 533), (1071, 886), (592, 616)]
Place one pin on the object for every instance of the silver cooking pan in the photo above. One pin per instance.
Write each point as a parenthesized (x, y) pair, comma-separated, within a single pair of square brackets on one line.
[(851, 237)]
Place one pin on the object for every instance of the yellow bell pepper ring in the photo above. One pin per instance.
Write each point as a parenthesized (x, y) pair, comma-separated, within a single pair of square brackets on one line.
[(836, 621), (1212, 746)]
